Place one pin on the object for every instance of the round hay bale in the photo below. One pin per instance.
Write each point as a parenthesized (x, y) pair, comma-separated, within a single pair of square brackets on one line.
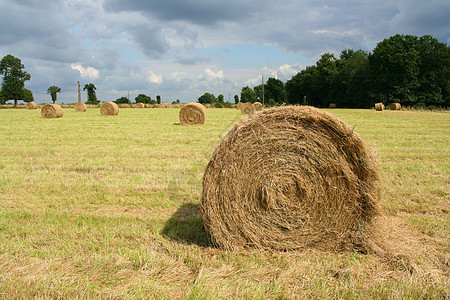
[(140, 105), (379, 106), (80, 106), (109, 109), (31, 105), (168, 105), (192, 113), (239, 105), (51, 111), (258, 106), (332, 105), (160, 106), (292, 177), (395, 106), (247, 108)]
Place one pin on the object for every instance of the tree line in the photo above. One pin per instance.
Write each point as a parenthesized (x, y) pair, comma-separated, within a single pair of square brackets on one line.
[(410, 70)]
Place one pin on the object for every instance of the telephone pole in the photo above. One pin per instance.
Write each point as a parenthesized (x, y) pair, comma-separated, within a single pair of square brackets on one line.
[(262, 90)]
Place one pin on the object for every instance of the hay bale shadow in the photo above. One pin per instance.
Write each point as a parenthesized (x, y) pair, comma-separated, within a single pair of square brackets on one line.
[(186, 226)]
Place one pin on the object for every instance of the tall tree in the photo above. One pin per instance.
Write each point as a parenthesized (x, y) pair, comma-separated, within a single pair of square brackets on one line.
[(92, 97), (396, 62), (144, 99), (236, 99), (158, 99), (53, 90), (274, 89), (248, 95), (14, 77), (27, 95), (206, 98)]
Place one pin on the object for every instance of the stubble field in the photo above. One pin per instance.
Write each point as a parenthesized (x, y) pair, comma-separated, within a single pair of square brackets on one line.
[(108, 207)]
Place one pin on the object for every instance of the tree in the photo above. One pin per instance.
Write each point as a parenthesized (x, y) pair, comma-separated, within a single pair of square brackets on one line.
[(396, 63), (144, 99), (14, 78), (300, 88), (92, 97), (27, 95), (206, 98), (158, 99), (248, 95), (274, 89), (122, 100), (236, 99), (352, 86), (52, 90)]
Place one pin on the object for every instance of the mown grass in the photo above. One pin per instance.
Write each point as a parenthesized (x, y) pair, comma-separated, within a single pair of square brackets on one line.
[(107, 207)]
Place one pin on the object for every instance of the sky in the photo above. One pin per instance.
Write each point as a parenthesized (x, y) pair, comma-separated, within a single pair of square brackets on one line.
[(181, 49)]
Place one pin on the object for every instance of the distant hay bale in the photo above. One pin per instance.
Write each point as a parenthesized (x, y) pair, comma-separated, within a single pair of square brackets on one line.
[(239, 105), (192, 113), (168, 105), (80, 106), (160, 106), (290, 178), (258, 106), (395, 106), (123, 105), (50, 111), (109, 109), (379, 106), (140, 105), (247, 108), (332, 105), (31, 105)]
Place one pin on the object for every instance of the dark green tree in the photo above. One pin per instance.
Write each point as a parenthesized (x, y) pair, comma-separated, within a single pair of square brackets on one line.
[(158, 99), (122, 100), (92, 97), (27, 95), (144, 99), (396, 63), (236, 99), (324, 80), (352, 84), (300, 88), (53, 90), (275, 89), (206, 98), (14, 77), (248, 95)]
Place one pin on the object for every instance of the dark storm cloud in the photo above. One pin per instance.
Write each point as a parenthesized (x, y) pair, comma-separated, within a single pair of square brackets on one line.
[(202, 12)]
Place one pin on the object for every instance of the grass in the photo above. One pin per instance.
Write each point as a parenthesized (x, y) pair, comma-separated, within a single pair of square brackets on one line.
[(107, 207)]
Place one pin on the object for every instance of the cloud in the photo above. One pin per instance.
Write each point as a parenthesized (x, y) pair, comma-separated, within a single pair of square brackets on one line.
[(211, 75), (88, 72), (153, 78)]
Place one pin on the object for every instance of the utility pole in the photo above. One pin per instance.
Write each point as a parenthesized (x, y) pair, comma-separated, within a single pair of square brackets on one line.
[(263, 89), (79, 92)]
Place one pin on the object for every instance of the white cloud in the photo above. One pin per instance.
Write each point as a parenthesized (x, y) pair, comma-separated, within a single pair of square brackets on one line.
[(153, 78), (211, 75), (90, 72)]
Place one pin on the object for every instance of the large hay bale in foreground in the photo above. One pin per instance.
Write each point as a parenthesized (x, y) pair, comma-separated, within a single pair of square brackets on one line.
[(239, 105), (31, 105), (258, 106), (395, 106), (379, 106), (140, 105), (192, 113), (109, 109), (292, 177), (50, 111), (247, 108), (80, 106)]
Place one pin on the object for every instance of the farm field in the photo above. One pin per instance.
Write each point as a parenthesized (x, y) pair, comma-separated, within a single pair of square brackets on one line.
[(108, 207)]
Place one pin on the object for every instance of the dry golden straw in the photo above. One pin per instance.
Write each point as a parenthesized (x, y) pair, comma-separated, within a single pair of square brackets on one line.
[(332, 105), (109, 109), (395, 106), (80, 106), (292, 177), (192, 113), (239, 105), (140, 105), (51, 111), (31, 105), (247, 108), (258, 106), (379, 106)]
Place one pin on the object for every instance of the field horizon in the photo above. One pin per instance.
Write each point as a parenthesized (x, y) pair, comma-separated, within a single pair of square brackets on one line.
[(108, 207)]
